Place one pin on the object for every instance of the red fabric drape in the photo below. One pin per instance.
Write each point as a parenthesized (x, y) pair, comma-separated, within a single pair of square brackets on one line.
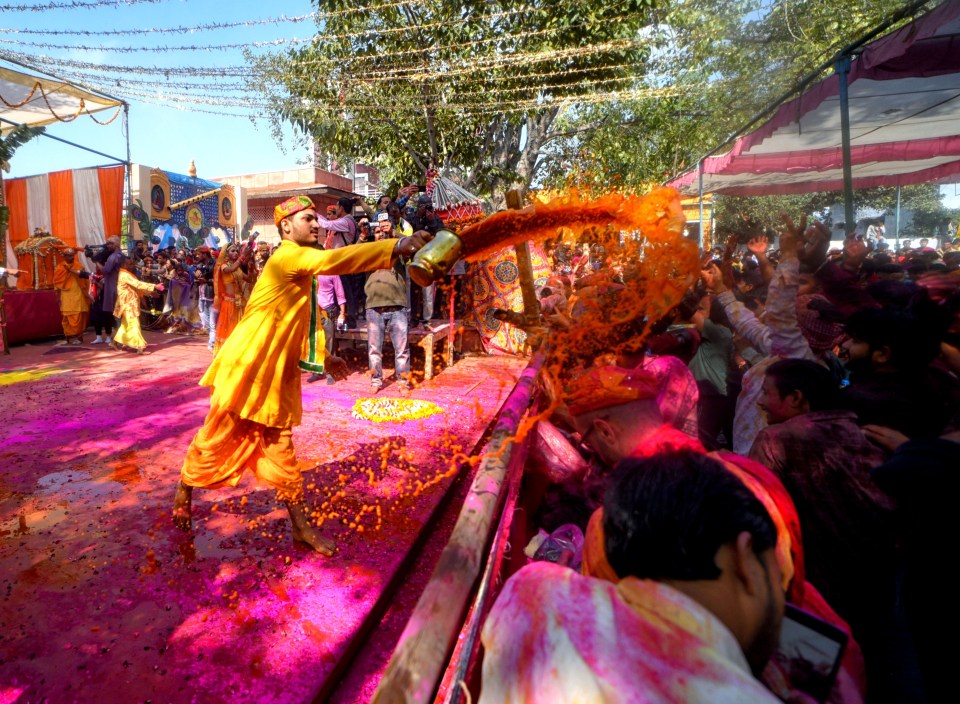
[(63, 223), (111, 198)]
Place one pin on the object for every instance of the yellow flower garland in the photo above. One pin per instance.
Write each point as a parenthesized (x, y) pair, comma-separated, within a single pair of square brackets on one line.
[(393, 410)]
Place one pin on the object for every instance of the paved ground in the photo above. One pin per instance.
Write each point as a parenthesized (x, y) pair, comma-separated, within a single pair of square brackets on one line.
[(102, 600)]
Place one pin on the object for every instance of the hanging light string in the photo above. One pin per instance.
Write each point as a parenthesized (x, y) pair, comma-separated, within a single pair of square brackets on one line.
[(415, 73), (93, 4), (460, 107), (115, 81), (370, 70), (75, 5), (319, 40), (213, 26)]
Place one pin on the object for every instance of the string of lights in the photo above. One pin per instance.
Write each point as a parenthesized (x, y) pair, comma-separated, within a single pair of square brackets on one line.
[(497, 72), (419, 72), (378, 56), (75, 5), (532, 82), (93, 4), (214, 26)]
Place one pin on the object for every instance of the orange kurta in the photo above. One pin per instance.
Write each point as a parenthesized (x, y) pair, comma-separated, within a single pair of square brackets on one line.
[(74, 302)]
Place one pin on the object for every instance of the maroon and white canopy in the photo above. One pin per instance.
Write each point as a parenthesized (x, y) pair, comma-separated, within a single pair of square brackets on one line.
[(904, 105)]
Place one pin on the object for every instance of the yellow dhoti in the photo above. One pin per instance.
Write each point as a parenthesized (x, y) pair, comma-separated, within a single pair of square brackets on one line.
[(228, 445), (74, 324), (129, 333)]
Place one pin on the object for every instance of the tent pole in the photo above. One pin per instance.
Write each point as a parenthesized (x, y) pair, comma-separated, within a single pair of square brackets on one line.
[(898, 217), (67, 141), (129, 169), (843, 72), (700, 233)]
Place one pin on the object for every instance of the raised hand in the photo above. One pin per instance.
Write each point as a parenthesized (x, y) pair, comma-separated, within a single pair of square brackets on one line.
[(758, 245), (792, 236), (854, 252), (713, 278), (814, 249)]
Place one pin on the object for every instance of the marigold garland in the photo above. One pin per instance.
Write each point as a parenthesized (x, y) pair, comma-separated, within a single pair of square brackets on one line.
[(393, 410)]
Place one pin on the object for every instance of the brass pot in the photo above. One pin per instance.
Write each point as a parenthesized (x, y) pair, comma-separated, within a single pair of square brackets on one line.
[(436, 258)]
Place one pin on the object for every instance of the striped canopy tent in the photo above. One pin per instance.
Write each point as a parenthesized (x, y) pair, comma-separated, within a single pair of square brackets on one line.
[(27, 99), (888, 116), (79, 207)]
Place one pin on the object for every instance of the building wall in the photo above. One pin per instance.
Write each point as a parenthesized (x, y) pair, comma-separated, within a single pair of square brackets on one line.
[(289, 178)]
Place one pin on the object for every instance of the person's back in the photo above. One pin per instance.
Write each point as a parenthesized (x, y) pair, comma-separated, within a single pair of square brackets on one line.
[(698, 611), (556, 636)]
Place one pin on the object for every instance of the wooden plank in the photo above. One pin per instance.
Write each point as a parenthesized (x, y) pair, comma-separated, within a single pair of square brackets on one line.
[(417, 664), (531, 306)]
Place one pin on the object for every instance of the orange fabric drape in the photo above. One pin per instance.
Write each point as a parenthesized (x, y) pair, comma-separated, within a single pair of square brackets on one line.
[(16, 195), (18, 229), (63, 223), (111, 198)]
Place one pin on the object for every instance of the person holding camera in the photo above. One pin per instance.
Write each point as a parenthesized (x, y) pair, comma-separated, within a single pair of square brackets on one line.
[(111, 272), (342, 231)]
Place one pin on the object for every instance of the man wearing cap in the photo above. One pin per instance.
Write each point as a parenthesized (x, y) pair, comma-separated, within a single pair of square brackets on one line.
[(255, 379), (74, 299)]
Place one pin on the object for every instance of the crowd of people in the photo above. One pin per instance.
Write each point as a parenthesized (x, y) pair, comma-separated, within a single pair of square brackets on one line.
[(204, 291), (787, 438), (785, 441)]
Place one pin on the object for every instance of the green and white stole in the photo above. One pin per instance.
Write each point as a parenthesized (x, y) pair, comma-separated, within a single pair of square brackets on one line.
[(315, 346)]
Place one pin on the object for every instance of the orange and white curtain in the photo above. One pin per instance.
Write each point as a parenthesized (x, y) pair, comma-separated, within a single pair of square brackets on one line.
[(81, 207)]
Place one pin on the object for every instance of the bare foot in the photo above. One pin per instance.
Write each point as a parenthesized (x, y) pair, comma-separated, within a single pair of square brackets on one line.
[(182, 510), (305, 533)]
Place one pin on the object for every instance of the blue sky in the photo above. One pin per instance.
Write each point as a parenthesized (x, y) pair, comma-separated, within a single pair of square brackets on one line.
[(161, 135)]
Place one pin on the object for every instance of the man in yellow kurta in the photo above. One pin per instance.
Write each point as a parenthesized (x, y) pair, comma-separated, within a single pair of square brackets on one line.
[(74, 300), (255, 379)]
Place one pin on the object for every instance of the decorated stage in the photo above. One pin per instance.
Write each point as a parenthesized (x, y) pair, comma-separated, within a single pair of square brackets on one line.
[(101, 599)]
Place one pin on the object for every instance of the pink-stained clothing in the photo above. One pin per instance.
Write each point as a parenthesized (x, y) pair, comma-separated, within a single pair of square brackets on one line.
[(330, 291), (555, 636), (677, 394), (778, 337), (344, 229)]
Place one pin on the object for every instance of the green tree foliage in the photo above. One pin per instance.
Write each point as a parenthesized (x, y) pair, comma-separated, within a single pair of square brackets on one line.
[(729, 60), (15, 138), (472, 87), (930, 217)]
